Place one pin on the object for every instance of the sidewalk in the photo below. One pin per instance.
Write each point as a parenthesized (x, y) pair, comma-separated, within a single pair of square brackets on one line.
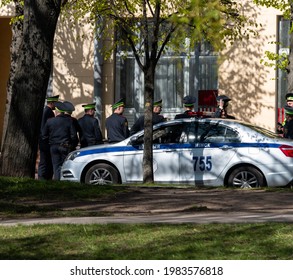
[(175, 218), (173, 206)]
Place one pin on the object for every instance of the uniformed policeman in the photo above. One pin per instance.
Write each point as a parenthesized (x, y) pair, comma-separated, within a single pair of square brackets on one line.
[(69, 108), (62, 137), (157, 118), (288, 127), (188, 103), (289, 99), (289, 103), (221, 111), (90, 128), (45, 168), (116, 124)]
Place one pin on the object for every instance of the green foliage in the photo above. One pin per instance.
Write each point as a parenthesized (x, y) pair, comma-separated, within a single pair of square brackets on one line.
[(161, 25), (278, 61), (281, 5), (10, 2)]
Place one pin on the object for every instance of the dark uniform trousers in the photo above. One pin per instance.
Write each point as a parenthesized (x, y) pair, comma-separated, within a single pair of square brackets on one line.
[(62, 136), (45, 168), (58, 153)]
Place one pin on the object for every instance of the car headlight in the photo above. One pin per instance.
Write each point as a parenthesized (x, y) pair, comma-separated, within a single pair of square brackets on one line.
[(72, 155)]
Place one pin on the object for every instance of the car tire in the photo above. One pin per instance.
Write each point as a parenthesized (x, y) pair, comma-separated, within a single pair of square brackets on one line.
[(246, 177), (102, 174)]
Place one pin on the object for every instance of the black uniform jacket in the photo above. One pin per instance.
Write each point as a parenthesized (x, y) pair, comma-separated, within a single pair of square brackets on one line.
[(47, 114), (288, 129), (186, 114), (117, 128), (139, 124), (218, 114), (60, 130), (90, 131)]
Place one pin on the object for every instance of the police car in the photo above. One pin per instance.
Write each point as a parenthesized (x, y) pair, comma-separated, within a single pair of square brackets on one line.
[(201, 152)]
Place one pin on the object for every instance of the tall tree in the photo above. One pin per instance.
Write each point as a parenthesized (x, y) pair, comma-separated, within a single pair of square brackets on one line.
[(16, 27), (150, 27), (30, 72)]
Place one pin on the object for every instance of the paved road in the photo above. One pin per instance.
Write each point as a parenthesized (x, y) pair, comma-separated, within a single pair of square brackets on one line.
[(175, 218), (175, 206)]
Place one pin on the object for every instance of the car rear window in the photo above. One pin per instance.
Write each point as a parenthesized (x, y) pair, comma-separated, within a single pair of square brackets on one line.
[(263, 131)]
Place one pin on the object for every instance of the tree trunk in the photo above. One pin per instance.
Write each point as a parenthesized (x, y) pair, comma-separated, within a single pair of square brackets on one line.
[(17, 34), (28, 90), (149, 81)]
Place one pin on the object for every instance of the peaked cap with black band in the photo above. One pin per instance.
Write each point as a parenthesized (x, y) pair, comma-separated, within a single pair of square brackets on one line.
[(119, 103), (52, 98), (69, 106), (60, 107), (188, 101), (89, 106), (225, 98), (158, 103), (289, 96)]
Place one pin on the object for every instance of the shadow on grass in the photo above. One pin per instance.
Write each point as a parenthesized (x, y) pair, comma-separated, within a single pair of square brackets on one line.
[(148, 242)]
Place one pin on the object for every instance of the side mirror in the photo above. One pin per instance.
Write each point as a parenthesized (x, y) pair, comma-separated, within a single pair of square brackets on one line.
[(133, 140)]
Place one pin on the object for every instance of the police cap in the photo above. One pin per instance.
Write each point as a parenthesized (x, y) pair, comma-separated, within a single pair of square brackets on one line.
[(289, 96), (223, 97), (188, 101), (119, 103), (288, 110), (52, 98), (69, 106), (89, 106), (60, 107), (158, 103)]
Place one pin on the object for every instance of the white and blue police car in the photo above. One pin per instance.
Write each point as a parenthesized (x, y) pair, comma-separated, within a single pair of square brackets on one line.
[(201, 152)]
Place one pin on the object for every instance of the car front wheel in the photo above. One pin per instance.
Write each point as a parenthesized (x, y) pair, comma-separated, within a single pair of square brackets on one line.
[(246, 177), (102, 174)]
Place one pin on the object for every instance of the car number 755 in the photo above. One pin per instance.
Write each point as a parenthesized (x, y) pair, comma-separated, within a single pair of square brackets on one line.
[(202, 163)]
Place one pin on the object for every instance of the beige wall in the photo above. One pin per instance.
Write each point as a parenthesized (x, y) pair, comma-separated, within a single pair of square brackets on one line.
[(251, 85), (73, 72), (6, 11)]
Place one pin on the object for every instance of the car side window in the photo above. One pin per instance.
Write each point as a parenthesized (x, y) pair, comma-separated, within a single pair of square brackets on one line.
[(190, 134), (216, 133), (165, 135), (168, 135), (232, 136)]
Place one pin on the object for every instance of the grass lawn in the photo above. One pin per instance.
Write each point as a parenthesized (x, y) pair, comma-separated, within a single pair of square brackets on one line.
[(261, 241), (148, 242)]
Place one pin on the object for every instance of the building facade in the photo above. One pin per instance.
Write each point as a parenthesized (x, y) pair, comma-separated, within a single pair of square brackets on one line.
[(81, 75)]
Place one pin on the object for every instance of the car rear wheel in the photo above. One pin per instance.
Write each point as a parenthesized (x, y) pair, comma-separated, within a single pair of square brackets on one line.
[(102, 174), (246, 177)]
